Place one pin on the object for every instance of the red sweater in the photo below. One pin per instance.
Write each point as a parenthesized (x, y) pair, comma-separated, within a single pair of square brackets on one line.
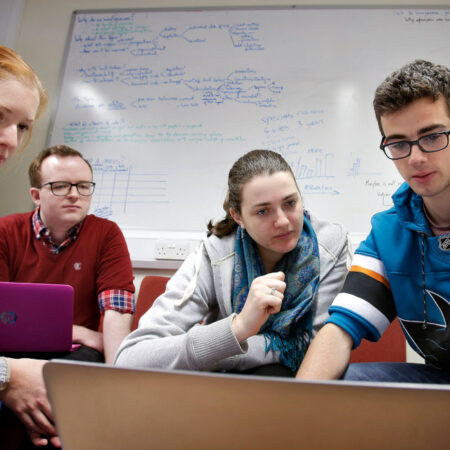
[(96, 261)]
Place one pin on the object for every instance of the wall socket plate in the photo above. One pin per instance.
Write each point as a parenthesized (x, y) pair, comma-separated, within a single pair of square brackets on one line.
[(178, 249)]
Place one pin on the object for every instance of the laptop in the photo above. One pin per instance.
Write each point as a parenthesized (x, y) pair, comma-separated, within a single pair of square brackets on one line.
[(35, 317), (105, 407)]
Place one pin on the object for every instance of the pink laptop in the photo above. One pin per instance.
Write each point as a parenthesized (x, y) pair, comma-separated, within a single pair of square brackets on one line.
[(35, 317)]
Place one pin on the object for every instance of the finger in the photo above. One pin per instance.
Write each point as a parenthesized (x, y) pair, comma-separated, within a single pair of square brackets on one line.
[(276, 279), (56, 441), (27, 420), (46, 409), (42, 423), (273, 304), (272, 276), (276, 286), (272, 296), (273, 291), (37, 439), (278, 275)]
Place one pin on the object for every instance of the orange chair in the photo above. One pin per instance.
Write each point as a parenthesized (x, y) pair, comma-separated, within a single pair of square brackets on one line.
[(152, 287), (390, 348)]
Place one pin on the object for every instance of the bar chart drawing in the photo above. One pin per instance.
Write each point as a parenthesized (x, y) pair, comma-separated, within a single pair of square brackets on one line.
[(355, 168), (320, 167)]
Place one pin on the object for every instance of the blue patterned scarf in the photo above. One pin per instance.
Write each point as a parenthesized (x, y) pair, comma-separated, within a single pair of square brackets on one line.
[(288, 331)]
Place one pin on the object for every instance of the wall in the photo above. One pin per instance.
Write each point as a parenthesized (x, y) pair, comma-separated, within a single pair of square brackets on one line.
[(11, 12), (41, 42)]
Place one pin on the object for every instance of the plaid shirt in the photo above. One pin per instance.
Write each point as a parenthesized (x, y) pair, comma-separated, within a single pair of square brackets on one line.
[(115, 299)]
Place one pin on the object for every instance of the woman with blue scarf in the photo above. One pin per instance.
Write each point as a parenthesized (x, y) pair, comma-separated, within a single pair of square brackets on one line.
[(258, 288)]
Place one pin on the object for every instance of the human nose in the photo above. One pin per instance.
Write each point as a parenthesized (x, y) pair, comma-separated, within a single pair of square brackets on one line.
[(73, 191), (417, 155), (281, 218)]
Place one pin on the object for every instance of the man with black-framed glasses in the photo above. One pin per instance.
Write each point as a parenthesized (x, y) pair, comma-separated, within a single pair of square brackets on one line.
[(60, 243), (402, 269)]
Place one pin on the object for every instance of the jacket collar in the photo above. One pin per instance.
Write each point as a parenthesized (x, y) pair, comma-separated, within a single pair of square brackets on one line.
[(409, 207)]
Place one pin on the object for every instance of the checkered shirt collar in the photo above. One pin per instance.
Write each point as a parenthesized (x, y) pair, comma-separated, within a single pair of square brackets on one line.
[(42, 233)]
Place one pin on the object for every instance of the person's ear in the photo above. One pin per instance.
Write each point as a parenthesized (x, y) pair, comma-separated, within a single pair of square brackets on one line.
[(35, 196), (236, 217)]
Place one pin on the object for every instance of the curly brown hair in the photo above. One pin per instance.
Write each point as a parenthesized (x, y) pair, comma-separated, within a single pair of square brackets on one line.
[(411, 82)]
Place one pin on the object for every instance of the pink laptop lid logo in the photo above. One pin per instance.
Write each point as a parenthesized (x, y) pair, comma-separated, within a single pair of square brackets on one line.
[(8, 317)]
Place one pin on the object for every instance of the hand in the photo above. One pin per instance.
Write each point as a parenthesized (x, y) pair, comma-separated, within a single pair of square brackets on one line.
[(85, 336), (260, 304), (26, 396)]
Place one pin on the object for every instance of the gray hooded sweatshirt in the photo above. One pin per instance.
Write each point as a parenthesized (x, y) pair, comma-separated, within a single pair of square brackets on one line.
[(189, 326)]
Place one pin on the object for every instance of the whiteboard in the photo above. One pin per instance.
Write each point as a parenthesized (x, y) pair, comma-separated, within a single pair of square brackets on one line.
[(162, 102)]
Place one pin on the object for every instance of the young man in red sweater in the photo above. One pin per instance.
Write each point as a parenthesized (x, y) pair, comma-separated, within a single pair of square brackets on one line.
[(60, 243)]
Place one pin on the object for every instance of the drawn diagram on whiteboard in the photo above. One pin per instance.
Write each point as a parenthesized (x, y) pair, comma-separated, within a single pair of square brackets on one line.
[(357, 168), (121, 34), (165, 100), (315, 175), (118, 186), (243, 85), (320, 167)]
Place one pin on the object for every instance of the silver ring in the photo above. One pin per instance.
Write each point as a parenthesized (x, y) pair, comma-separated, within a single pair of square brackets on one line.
[(272, 291)]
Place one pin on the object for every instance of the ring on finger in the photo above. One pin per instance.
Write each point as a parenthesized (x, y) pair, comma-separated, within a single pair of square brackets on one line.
[(272, 291)]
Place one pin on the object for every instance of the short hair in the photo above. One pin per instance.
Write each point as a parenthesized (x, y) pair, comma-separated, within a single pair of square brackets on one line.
[(13, 67), (411, 82), (248, 166), (63, 151)]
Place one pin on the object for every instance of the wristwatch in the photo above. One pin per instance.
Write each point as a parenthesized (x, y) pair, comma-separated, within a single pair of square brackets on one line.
[(5, 373)]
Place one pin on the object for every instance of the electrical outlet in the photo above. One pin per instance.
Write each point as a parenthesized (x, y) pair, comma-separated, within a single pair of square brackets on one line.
[(172, 249)]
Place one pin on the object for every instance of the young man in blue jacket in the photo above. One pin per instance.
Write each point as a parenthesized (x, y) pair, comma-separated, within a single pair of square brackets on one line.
[(402, 268)]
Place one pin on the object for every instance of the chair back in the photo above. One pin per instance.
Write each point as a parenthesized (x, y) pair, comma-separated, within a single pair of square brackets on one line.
[(390, 348), (152, 286)]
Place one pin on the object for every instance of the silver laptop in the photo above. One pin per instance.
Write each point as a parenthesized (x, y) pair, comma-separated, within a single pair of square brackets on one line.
[(103, 407)]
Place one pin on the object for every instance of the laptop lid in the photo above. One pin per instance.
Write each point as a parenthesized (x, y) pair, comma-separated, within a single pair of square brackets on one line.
[(35, 317), (105, 407)]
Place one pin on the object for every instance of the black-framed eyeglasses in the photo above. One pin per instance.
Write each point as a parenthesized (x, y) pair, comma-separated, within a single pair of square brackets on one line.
[(62, 188), (434, 142)]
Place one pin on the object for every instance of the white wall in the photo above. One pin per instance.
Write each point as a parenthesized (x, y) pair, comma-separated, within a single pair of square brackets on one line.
[(10, 19)]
